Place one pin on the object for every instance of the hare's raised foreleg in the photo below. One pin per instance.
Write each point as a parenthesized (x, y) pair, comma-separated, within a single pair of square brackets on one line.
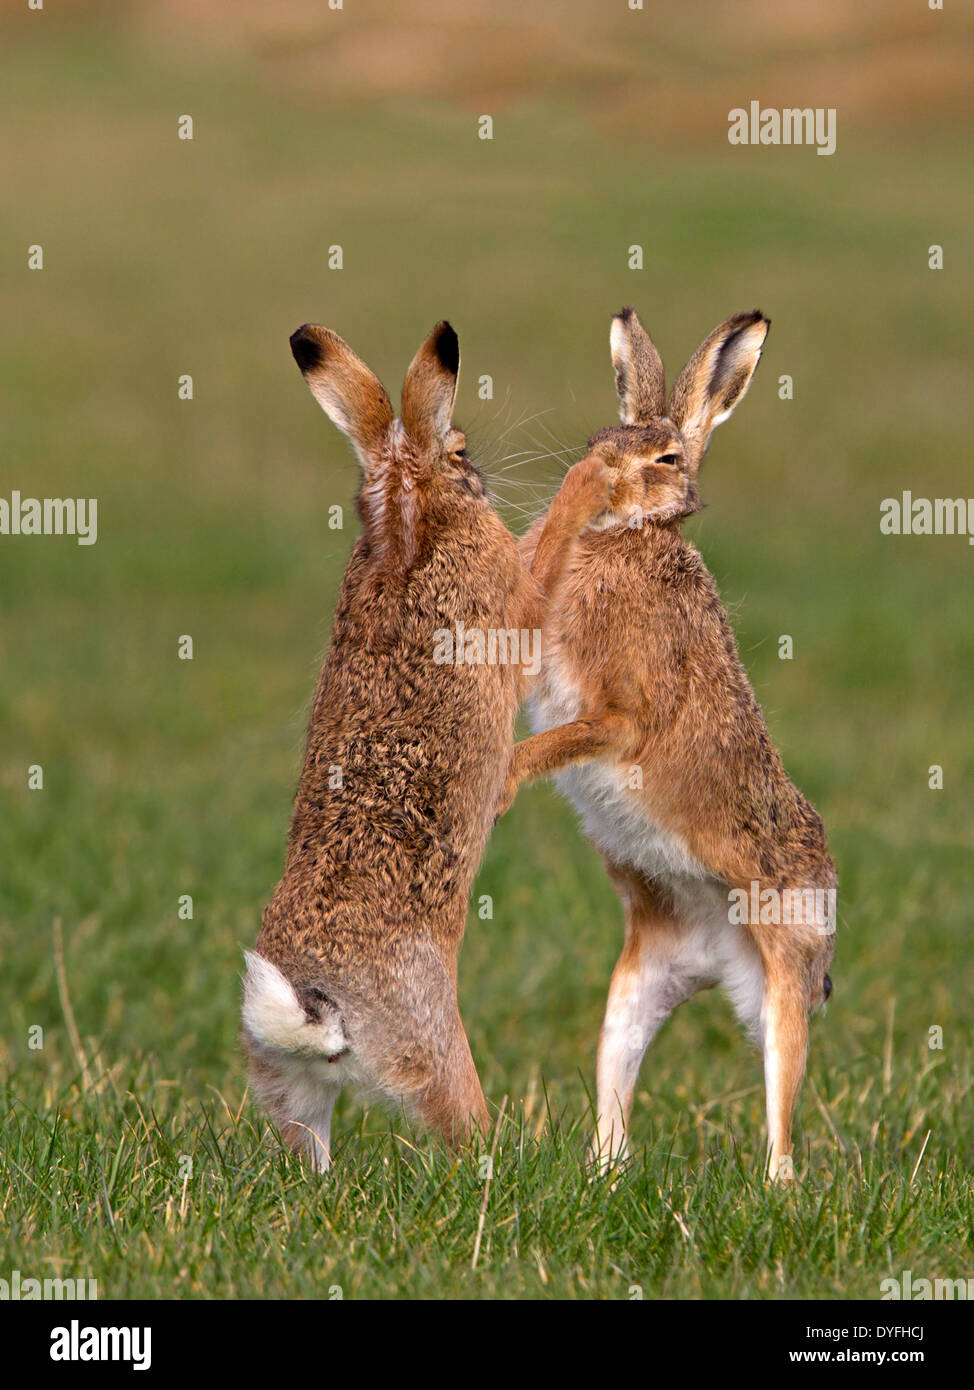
[(556, 748), (585, 492), (651, 978)]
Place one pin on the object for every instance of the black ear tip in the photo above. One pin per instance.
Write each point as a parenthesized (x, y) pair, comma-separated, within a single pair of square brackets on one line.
[(624, 315), (306, 348), (747, 319), (447, 346)]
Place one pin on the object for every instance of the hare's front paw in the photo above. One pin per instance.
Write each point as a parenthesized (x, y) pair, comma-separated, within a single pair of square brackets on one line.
[(506, 797), (591, 484)]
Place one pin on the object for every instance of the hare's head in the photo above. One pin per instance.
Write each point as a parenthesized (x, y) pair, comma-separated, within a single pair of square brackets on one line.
[(408, 461), (657, 450)]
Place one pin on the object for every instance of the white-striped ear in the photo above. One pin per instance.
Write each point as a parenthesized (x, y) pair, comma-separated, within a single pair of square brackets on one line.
[(715, 379), (640, 384)]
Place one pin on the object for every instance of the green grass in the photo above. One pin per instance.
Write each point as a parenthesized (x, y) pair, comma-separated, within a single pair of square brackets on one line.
[(99, 1188), (163, 778)]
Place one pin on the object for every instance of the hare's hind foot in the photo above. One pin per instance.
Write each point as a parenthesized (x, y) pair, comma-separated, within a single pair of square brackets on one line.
[(300, 1097)]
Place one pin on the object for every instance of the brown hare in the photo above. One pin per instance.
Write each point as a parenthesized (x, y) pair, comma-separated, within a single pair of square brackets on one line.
[(643, 709), (355, 972)]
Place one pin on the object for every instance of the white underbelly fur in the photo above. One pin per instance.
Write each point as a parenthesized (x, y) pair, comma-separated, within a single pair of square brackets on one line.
[(616, 818), (614, 815)]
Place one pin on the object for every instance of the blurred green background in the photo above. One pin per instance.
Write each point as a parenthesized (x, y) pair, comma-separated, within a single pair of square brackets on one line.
[(163, 257)]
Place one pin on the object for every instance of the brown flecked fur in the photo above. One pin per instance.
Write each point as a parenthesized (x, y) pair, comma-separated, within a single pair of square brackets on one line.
[(366, 923), (637, 633)]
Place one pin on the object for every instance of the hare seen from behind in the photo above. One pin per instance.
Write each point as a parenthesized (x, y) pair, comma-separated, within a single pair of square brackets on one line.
[(644, 711), (355, 971)]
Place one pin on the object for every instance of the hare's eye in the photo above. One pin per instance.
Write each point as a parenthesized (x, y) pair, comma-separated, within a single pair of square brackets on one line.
[(668, 458)]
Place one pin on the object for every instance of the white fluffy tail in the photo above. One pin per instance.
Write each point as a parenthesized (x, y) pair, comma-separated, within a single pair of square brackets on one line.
[(274, 1017)]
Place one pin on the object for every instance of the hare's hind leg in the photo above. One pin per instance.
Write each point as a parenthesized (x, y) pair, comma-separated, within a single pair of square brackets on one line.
[(453, 1100), (411, 1043), (651, 978), (308, 1133), (785, 1045), (430, 1072)]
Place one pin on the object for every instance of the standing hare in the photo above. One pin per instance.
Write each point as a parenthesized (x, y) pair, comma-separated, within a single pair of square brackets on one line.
[(644, 710), (355, 974)]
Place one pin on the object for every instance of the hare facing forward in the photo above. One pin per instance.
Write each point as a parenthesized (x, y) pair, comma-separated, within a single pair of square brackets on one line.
[(643, 710), (354, 978)]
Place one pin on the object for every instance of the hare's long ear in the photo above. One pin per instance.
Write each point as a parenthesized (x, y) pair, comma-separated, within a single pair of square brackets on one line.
[(715, 379), (349, 394), (430, 388), (640, 383)]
